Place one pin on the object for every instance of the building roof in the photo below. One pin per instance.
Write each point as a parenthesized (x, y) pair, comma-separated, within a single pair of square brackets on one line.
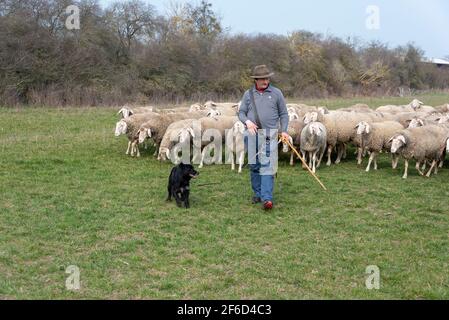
[(438, 61)]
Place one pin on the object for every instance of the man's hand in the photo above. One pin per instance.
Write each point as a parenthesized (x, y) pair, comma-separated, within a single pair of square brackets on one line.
[(285, 136), (252, 127)]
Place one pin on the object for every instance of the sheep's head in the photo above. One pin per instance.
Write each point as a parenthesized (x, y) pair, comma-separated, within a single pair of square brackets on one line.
[(238, 128), (416, 104), (397, 142), (292, 115), (316, 129), (415, 123), (310, 117), (195, 107), (444, 119), (185, 134), (285, 146), (363, 127), (209, 104), (125, 112), (164, 154), (213, 113), (120, 128), (239, 105), (323, 110), (144, 133)]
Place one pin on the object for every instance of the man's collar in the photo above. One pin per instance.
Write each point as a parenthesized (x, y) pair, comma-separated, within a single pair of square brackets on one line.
[(268, 89)]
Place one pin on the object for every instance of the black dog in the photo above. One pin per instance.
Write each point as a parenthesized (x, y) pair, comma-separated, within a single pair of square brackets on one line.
[(179, 183)]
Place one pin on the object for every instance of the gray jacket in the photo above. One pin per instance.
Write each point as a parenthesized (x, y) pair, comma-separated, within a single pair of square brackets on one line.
[(270, 106)]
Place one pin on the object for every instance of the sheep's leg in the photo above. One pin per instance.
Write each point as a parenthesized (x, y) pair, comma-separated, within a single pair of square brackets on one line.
[(340, 151), (371, 158), (129, 147), (133, 148), (418, 167), (394, 161), (321, 158), (232, 163), (405, 169), (329, 152), (424, 166), (156, 151), (241, 160), (440, 165), (304, 157), (375, 159), (344, 151), (310, 158), (431, 168), (203, 154), (137, 148), (292, 161), (359, 156), (314, 161)]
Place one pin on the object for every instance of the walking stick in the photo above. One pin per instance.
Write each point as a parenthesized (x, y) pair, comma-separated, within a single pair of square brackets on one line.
[(303, 161)]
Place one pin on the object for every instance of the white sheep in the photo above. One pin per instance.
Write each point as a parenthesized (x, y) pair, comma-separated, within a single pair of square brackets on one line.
[(220, 124), (422, 144), (411, 107), (155, 129), (313, 142), (375, 138), (294, 130), (235, 143), (171, 136), (130, 126), (340, 129), (127, 111)]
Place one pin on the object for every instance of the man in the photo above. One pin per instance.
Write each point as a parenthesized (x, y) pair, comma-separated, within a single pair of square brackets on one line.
[(271, 110)]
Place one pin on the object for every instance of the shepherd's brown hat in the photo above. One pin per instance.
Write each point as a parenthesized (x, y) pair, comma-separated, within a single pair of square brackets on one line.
[(261, 72)]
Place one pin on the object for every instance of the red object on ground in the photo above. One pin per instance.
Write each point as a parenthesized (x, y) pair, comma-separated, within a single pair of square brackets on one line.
[(268, 205)]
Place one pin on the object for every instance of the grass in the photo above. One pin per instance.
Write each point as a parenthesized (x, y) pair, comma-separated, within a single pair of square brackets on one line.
[(69, 196)]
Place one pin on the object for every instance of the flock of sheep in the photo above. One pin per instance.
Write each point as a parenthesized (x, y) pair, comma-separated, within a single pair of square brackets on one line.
[(412, 132)]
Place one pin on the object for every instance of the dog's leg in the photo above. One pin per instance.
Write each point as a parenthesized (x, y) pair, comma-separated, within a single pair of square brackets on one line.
[(178, 197), (169, 194), (186, 199)]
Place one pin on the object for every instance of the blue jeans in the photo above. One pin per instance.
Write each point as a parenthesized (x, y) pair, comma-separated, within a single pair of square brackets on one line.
[(262, 173)]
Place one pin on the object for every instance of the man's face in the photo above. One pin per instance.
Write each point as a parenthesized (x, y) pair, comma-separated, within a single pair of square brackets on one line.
[(262, 83)]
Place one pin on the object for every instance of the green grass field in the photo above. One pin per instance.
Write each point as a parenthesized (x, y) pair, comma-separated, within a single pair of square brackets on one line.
[(70, 196)]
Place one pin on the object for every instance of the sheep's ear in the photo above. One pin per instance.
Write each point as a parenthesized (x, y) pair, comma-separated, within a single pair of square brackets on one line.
[(357, 126), (408, 121), (402, 139), (421, 122), (167, 153), (438, 120), (367, 128), (295, 116), (191, 132), (149, 132)]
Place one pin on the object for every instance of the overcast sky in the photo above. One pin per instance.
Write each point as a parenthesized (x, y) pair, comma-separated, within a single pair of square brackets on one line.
[(424, 22)]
